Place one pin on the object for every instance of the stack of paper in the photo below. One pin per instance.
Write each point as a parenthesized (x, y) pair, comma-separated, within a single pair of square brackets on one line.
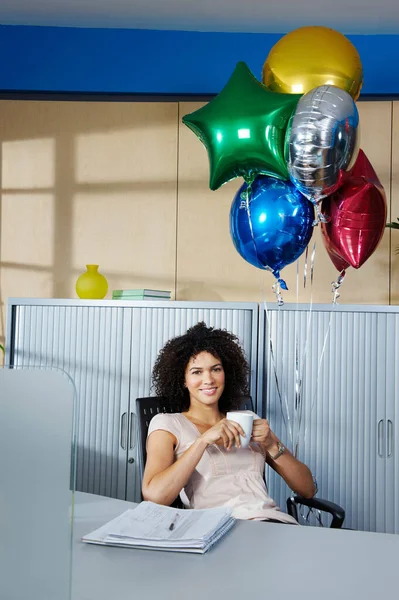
[(157, 527), (141, 294)]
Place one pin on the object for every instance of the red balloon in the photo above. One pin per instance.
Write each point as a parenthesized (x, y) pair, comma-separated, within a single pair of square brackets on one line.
[(358, 213)]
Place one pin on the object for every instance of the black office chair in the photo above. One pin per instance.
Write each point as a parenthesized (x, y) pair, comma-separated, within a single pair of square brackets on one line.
[(147, 408)]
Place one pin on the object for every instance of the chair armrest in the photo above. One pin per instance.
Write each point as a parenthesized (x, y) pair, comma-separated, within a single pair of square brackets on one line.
[(337, 512)]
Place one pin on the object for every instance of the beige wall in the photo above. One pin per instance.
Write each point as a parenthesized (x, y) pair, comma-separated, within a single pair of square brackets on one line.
[(125, 186), (87, 183)]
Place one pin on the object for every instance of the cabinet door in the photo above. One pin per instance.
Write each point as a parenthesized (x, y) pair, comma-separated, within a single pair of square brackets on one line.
[(155, 325), (92, 344), (393, 414), (388, 502), (336, 360)]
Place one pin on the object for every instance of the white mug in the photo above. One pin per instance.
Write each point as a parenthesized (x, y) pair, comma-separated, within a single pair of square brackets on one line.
[(244, 419)]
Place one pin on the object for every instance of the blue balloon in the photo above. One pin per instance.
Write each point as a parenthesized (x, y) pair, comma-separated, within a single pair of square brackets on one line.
[(274, 227)]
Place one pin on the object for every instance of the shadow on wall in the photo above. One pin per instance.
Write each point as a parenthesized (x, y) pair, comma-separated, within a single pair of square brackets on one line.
[(67, 164), (78, 181), (200, 292), (394, 300)]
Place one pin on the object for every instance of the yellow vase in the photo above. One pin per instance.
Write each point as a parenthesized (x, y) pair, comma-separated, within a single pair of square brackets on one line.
[(91, 285)]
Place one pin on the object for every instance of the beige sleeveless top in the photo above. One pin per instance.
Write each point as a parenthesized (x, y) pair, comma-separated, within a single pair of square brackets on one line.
[(222, 478)]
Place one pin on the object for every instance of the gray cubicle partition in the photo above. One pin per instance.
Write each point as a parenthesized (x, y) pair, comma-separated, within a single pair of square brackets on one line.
[(109, 347), (36, 425), (339, 366)]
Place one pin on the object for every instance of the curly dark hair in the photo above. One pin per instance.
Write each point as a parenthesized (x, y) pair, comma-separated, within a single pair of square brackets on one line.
[(168, 374)]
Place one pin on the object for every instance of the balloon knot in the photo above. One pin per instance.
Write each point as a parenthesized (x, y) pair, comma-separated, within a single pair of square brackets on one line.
[(283, 285)]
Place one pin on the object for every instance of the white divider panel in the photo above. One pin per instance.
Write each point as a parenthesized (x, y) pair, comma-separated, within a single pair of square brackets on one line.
[(36, 448)]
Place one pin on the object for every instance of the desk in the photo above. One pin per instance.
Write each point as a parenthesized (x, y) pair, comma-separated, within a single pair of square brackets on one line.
[(283, 562)]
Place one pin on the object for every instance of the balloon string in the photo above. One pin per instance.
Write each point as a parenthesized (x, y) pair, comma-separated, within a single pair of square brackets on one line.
[(305, 272), (281, 396), (336, 285), (276, 287), (312, 261), (305, 269), (318, 372), (320, 218), (294, 427), (300, 362), (316, 383)]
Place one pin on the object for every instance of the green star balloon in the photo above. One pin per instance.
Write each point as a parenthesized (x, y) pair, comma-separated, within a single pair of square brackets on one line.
[(243, 129)]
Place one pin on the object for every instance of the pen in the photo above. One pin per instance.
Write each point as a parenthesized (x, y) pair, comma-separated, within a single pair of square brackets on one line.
[(172, 525)]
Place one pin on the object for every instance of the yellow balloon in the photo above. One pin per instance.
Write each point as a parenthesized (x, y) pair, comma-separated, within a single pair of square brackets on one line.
[(312, 56)]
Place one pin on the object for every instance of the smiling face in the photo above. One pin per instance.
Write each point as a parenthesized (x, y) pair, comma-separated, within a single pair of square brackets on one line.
[(204, 379)]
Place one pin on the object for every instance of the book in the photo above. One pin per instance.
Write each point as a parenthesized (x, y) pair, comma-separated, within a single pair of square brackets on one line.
[(140, 298), (141, 292), (155, 527)]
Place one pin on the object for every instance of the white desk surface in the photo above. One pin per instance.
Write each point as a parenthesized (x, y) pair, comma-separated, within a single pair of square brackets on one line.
[(253, 560)]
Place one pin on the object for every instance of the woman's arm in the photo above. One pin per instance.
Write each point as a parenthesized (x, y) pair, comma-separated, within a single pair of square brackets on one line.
[(164, 477), (296, 474)]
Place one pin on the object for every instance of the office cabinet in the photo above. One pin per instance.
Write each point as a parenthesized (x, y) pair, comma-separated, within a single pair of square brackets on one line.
[(331, 383), (109, 348), (325, 376)]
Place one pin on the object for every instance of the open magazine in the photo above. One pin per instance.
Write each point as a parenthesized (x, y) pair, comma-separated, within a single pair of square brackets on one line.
[(157, 527)]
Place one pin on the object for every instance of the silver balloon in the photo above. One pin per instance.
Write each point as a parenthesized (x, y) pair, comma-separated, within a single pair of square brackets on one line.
[(322, 141)]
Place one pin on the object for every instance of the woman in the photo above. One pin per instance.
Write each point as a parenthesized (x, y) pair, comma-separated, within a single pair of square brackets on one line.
[(197, 451)]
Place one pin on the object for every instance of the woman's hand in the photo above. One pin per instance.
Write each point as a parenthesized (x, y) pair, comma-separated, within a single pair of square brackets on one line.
[(225, 433), (262, 434)]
